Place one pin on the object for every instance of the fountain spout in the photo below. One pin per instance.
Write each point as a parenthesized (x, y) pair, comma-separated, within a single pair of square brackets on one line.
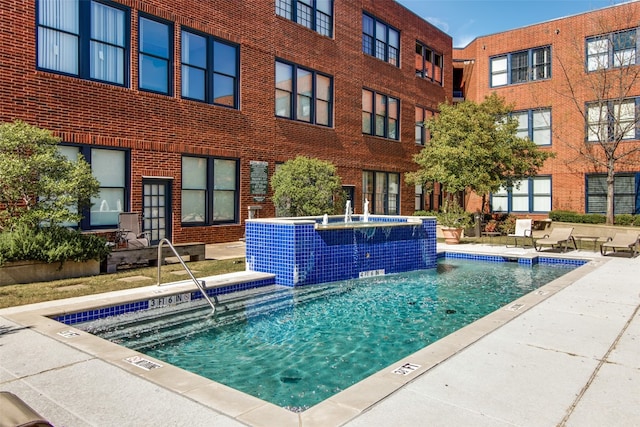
[(365, 216), (347, 212)]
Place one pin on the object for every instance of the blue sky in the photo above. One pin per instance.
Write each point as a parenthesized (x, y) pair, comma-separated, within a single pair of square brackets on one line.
[(465, 20)]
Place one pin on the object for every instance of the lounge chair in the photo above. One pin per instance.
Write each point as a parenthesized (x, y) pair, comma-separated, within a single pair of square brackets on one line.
[(522, 231), (130, 230), (15, 412), (624, 241), (558, 237)]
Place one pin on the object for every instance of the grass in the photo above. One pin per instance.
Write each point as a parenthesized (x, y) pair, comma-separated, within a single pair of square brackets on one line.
[(14, 295)]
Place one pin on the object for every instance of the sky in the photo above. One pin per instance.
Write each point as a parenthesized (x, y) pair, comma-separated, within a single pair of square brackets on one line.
[(464, 20)]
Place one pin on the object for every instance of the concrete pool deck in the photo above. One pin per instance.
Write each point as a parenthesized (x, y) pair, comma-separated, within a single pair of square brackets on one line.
[(567, 355)]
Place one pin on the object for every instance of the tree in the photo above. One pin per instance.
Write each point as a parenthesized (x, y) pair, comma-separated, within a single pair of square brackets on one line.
[(37, 183), (474, 148), (604, 96), (306, 187)]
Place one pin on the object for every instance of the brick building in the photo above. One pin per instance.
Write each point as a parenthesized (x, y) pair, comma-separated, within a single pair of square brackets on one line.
[(573, 82), (185, 108)]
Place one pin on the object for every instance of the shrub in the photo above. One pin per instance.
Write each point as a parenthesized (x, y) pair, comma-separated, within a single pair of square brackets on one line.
[(51, 244), (568, 216), (508, 225), (425, 213), (624, 219)]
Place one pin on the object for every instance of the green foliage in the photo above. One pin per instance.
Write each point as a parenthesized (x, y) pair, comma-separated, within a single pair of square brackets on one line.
[(570, 216), (624, 219), (50, 244), (307, 187), (453, 215), (507, 225), (474, 147), (37, 183), (425, 213)]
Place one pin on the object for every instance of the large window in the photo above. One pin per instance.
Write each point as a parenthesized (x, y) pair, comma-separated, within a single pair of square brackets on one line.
[(422, 133), (612, 50), (303, 94), (380, 40), (209, 190), (155, 58), (209, 69), (613, 120), (380, 114), (626, 193), (110, 168), (531, 195), (428, 63), (97, 51), (520, 67), (314, 14), (382, 190), (535, 125)]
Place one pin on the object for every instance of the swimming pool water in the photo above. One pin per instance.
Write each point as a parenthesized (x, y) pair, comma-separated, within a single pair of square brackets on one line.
[(318, 340)]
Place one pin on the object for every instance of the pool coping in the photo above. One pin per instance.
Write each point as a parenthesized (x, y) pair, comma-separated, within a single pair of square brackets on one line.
[(336, 410)]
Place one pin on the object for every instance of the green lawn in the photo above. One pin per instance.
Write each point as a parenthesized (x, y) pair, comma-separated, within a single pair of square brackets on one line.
[(14, 295)]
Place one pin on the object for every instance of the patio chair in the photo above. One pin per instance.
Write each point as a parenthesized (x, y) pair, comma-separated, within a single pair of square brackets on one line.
[(558, 237), (15, 412), (130, 230), (623, 241), (522, 231)]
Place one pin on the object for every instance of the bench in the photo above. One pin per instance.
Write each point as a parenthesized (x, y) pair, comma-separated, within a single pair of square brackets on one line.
[(149, 255)]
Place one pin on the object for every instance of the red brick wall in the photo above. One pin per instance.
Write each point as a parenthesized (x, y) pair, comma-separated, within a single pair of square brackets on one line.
[(159, 129), (567, 38)]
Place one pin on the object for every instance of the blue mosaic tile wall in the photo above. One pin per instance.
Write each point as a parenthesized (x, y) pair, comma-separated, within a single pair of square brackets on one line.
[(521, 260), (99, 313), (298, 254)]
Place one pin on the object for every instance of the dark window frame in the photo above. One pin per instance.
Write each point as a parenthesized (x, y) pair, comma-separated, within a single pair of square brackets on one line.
[(530, 124), (591, 192), (293, 102), (210, 71), (430, 60), (611, 120), (612, 48), (86, 151), (531, 195), (84, 39), (169, 59), (372, 43), (374, 115), (210, 192), (527, 74), (373, 197), (319, 21)]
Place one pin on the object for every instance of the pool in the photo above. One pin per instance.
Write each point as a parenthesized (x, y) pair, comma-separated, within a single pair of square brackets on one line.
[(296, 347)]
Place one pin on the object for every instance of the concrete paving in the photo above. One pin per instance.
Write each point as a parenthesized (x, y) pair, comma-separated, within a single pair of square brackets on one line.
[(572, 359)]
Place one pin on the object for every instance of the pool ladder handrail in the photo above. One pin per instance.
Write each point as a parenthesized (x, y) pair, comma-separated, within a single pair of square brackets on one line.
[(187, 269)]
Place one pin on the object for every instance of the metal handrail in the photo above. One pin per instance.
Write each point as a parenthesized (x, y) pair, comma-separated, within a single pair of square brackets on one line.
[(173, 249)]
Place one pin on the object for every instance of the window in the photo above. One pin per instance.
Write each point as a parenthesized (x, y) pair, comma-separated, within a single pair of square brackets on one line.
[(535, 125), (382, 189), (314, 14), (422, 133), (612, 50), (626, 193), (303, 94), (380, 40), (428, 63), (527, 195), (209, 70), (380, 114), (209, 190), (111, 169), (613, 120), (521, 67), (155, 62), (97, 51)]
